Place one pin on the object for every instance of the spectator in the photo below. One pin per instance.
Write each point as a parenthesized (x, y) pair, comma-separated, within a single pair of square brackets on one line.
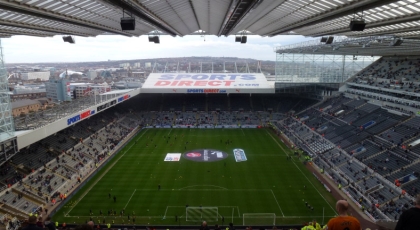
[(91, 224), (204, 226), (39, 223), (83, 227), (32, 224), (409, 219), (343, 221), (230, 227), (49, 224)]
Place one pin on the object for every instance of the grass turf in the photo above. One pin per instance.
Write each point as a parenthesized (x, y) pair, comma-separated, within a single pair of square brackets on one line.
[(266, 183)]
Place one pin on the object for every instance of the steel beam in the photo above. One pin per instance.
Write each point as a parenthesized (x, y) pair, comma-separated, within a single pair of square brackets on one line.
[(375, 25), (42, 28), (233, 17), (25, 9), (13, 32), (145, 15), (358, 6)]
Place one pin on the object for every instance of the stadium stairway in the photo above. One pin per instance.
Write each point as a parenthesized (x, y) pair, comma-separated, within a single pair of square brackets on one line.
[(13, 211), (215, 120), (251, 104), (400, 170), (162, 101), (197, 118), (29, 196), (56, 173), (20, 168), (374, 155), (295, 105), (174, 118), (311, 107)]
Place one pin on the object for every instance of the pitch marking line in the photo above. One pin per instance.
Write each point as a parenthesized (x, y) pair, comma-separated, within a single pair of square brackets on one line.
[(306, 177), (103, 174), (237, 207), (243, 132), (305, 216), (204, 185), (130, 198), (277, 217), (164, 215), (277, 202)]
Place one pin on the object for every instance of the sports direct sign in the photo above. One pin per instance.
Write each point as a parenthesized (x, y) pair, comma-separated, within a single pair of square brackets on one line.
[(206, 83)]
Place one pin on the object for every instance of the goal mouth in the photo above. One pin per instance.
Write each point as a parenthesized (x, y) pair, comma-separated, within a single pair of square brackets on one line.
[(267, 219), (197, 214)]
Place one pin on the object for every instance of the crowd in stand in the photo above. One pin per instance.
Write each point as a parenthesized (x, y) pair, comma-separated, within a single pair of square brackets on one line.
[(364, 175)]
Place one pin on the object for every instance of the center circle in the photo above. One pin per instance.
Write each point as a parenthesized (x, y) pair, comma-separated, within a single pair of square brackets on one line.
[(205, 155)]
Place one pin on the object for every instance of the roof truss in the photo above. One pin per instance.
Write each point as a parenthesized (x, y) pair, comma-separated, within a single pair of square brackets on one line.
[(215, 17)]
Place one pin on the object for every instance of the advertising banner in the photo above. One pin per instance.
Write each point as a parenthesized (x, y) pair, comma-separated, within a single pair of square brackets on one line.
[(193, 83), (239, 155), (172, 157)]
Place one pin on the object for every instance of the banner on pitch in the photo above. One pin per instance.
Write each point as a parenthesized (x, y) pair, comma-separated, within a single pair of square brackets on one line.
[(172, 157), (239, 155)]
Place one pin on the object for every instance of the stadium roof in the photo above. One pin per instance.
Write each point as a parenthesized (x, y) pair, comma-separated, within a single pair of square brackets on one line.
[(213, 17), (363, 46)]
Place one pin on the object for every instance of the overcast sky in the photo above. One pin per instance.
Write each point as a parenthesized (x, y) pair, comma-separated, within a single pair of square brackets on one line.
[(25, 49)]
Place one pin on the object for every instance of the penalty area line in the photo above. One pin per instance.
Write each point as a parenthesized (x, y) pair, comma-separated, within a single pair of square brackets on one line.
[(130, 198), (164, 215), (277, 202)]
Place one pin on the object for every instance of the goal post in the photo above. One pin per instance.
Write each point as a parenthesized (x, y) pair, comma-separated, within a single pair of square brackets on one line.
[(259, 219), (197, 214)]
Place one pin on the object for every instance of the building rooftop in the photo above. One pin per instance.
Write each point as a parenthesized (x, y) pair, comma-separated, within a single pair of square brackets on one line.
[(23, 103)]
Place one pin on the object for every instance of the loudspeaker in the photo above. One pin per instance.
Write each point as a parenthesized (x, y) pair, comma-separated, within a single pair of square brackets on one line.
[(357, 25), (243, 39), (69, 39), (330, 39), (238, 39), (154, 39), (128, 23), (324, 39)]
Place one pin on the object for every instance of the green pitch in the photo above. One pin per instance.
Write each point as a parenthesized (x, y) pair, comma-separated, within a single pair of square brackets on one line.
[(266, 183)]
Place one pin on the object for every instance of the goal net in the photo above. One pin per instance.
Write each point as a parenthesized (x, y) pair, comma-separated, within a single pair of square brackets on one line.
[(198, 214), (259, 219)]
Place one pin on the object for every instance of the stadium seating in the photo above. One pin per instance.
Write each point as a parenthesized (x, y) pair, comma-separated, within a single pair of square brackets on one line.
[(370, 150)]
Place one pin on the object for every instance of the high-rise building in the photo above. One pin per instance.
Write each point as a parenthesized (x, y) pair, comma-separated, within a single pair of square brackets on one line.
[(43, 76), (92, 74), (58, 89)]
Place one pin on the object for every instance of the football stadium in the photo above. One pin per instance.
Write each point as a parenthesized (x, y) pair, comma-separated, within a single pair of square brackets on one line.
[(218, 145)]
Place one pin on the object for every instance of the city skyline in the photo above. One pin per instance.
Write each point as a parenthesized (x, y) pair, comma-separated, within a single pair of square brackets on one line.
[(26, 49)]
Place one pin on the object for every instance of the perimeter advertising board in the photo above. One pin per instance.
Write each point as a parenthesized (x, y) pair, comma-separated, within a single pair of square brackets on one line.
[(215, 83)]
